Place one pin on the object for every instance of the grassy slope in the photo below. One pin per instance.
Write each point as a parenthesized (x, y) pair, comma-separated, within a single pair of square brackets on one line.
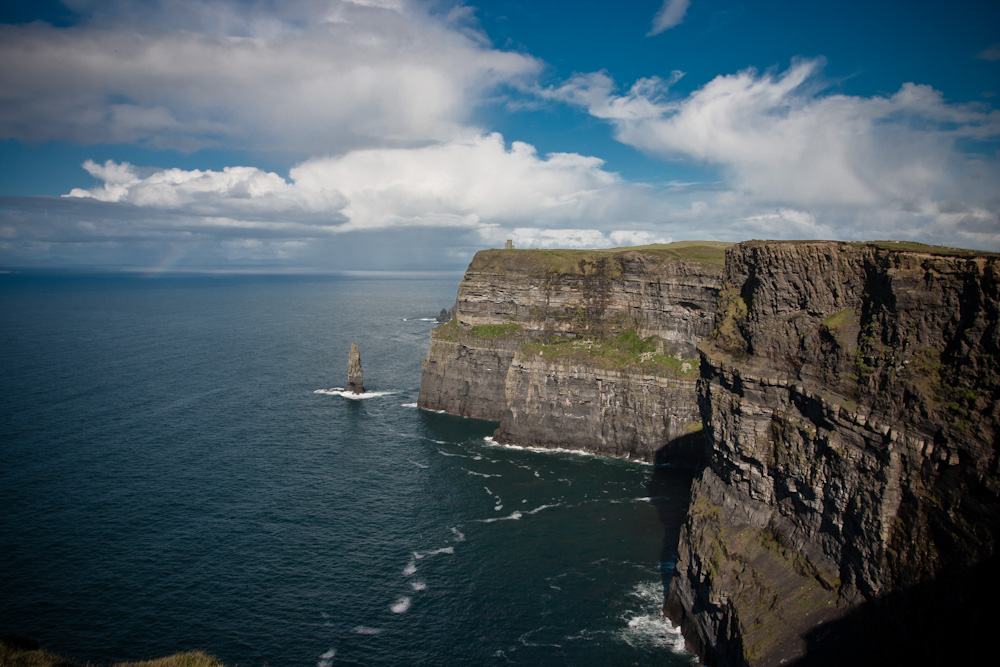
[(16, 652)]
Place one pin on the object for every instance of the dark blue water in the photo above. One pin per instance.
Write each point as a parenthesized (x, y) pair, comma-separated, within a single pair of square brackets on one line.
[(170, 480)]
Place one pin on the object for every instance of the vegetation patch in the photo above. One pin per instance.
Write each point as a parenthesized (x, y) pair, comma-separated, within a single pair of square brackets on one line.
[(450, 330), (455, 332), (578, 262), (627, 351), (732, 314), (19, 652), (490, 331)]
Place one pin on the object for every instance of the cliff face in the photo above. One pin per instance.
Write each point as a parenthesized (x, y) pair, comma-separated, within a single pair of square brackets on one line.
[(578, 349), (851, 408), (621, 413)]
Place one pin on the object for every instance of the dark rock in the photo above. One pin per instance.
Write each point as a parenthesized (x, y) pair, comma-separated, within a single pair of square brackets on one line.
[(355, 375), (848, 394)]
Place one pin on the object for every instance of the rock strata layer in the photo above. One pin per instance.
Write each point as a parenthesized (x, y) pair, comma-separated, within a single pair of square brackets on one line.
[(586, 350), (850, 401), (845, 404)]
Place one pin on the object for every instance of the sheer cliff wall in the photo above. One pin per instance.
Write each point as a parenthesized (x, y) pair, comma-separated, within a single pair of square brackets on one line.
[(850, 401), (587, 350)]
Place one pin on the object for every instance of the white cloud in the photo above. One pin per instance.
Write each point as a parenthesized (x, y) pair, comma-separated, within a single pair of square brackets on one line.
[(671, 14), (462, 183), (475, 190), (303, 77), (777, 139), (465, 183)]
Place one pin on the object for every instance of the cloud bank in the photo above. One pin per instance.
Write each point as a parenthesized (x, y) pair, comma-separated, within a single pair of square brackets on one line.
[(299, 76), (463, 194), (779, 140)]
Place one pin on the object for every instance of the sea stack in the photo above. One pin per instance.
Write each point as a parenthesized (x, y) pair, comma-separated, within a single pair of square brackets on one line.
[(355, 376)]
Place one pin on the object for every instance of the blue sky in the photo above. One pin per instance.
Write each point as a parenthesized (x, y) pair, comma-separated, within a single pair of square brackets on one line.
[(319, 135)]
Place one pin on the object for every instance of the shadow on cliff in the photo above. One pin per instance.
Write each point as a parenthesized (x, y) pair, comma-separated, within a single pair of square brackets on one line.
[(948, 621), (669, 489)]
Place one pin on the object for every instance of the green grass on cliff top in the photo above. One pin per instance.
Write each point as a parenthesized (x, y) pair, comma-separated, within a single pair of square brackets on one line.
[(901, 246), (624, 352), (565, 260), (17, 652)]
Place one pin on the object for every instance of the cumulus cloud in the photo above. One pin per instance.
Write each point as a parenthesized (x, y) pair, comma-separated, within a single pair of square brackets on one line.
[(671, 14), (302, 76), (469, 182), (462, 194), (781, 141)]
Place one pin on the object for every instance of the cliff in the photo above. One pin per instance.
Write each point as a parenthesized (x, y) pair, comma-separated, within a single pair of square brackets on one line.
[(845, 402), (849, 395), (579, 349)]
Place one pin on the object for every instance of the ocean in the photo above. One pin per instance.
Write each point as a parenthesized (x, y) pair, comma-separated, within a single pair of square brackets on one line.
[(178, 470)]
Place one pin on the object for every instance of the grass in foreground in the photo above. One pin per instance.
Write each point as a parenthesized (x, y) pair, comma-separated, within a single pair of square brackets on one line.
[(19, 652)]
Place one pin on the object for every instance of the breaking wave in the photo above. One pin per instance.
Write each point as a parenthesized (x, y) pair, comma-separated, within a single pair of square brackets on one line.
[(339, 391), (402, 605), (646, 626)]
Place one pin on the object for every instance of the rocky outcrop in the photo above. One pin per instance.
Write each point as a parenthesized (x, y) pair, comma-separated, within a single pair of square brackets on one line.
[(851, 407), (578, 349), (355, 374), (617, 412), (464, 375)]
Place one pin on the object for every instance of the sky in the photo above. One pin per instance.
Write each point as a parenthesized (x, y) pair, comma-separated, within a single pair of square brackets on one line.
[(337, 135)]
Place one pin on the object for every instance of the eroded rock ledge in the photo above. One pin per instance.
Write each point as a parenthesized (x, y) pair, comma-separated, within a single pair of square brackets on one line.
[(578, 349)]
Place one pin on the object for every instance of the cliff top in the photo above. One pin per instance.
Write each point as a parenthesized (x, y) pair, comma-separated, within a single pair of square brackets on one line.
[(566, 260), (899, 246)]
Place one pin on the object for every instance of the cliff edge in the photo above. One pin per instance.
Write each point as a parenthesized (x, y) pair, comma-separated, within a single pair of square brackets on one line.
[(583, 349), (850, 508)]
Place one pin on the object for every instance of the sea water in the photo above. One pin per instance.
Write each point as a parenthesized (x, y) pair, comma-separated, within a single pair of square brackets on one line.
[(180, 470)]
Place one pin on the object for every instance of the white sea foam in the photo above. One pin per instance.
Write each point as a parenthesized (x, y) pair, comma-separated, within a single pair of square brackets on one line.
[(409, 405), (480, 474), (459, 535), (410, 569), (365, 630), (655, 630), (402, 605), (419, 465), (418, 586), (497, 507), (542, 507), (426, 554), (326, 659), (647, 626), (513, 516), (339, 391), (557, 450)]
